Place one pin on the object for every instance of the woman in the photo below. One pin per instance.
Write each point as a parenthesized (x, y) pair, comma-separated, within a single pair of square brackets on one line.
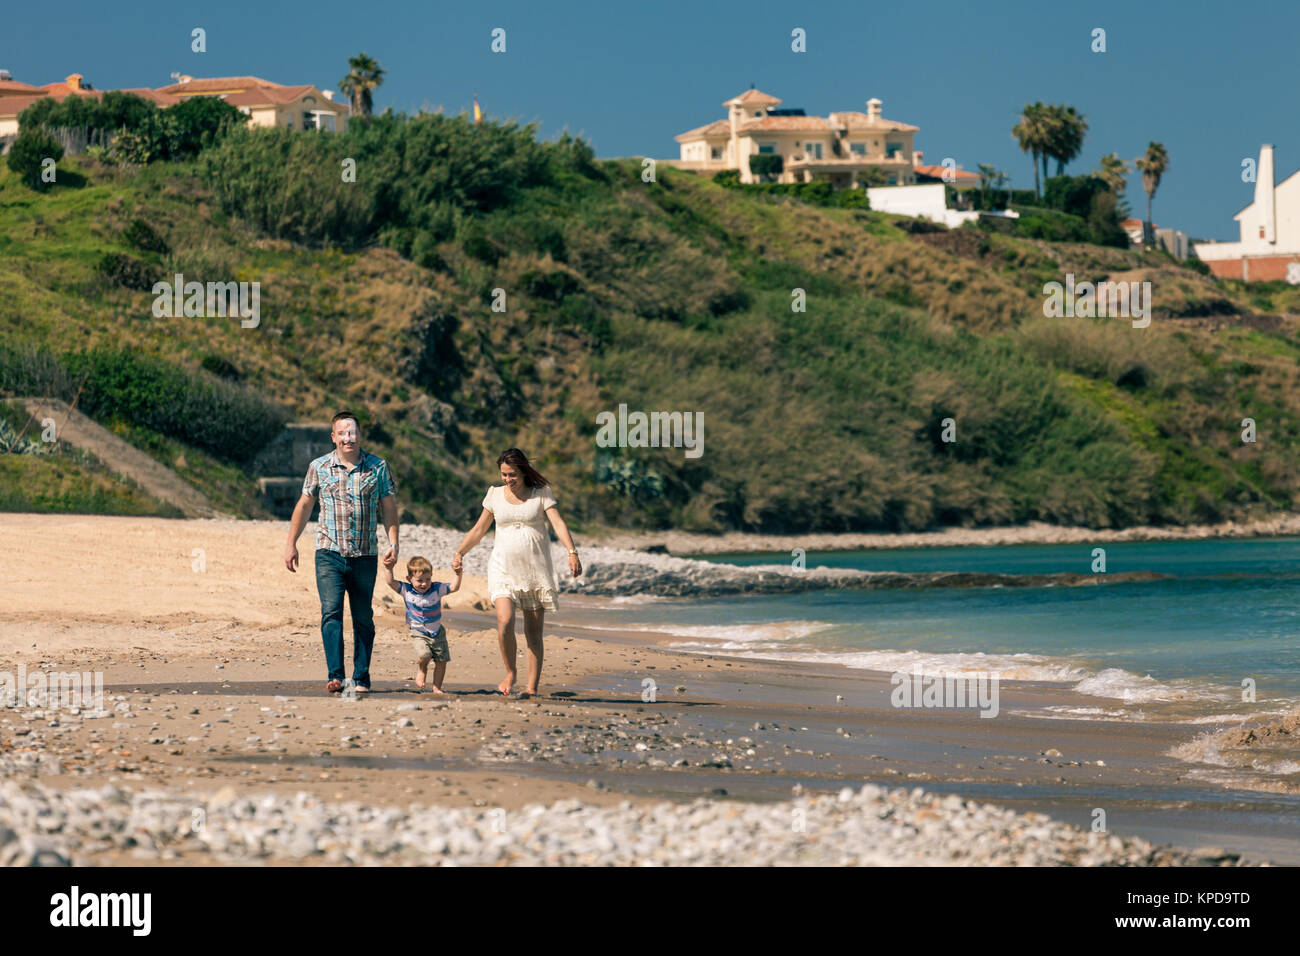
[(520, 573)]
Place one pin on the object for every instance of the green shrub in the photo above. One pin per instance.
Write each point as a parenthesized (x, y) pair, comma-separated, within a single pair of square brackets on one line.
[(727, 177), (197, 408), (30, 151), (140, 235), (127, 271), (33, 371), (766, 164)]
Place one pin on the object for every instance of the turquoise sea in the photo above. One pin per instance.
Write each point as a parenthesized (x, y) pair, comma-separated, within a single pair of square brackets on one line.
[(1172, 649)]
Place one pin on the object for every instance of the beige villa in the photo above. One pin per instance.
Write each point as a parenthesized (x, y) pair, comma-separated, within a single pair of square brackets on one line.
[(267, 103), (838, 148)]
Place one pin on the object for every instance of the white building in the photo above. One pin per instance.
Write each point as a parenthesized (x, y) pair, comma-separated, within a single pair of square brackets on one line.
[(1269, 247)]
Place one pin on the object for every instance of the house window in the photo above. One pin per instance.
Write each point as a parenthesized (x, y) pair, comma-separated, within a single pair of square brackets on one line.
[(325, 121), (1261, 232), (815, 150), (893, 149), (893, 180), (289, 122), (767, 148), (309, 99), (717, 152), (858, 148), (308, 121), (758, 112)]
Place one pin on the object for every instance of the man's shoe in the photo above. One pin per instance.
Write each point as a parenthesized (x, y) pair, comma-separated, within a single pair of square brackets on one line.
[(334, 686)]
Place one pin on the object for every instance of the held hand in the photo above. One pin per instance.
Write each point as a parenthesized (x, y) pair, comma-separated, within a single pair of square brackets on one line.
[(390, 557), (575, 566), (291, 557), (456, 565)]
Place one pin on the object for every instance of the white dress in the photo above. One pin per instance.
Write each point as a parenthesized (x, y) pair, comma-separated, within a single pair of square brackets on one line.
[(520, 566)]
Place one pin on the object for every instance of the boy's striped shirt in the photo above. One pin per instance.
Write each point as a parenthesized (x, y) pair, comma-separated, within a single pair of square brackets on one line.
[(424, 611)]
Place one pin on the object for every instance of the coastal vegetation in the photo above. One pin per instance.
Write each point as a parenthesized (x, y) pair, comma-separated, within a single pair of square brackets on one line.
[(475, 288)]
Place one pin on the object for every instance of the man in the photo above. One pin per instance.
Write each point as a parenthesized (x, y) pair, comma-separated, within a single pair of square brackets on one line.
[(354, 487)]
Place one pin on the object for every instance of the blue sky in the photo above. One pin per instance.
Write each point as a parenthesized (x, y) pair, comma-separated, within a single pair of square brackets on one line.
[(630, 76)]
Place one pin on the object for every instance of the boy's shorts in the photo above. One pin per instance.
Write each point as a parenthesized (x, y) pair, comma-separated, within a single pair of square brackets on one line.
[(435, 646)]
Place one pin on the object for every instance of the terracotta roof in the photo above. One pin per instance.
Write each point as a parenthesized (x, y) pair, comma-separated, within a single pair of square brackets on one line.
[(809, 123), (938, 172), (752, 97), (283, 96), (153, 96), (218, 84), (856, 121), (63, 89), (716, 128), (14, 88), (13, 105)]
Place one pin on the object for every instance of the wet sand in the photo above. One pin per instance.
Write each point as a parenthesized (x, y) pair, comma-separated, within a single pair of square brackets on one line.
[(215, 679)]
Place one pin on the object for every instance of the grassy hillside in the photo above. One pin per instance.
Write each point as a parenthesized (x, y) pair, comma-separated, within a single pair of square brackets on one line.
[(676, 296)]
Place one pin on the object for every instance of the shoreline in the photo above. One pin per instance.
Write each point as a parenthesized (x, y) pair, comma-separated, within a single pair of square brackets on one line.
[(215, 700), (686, 544)]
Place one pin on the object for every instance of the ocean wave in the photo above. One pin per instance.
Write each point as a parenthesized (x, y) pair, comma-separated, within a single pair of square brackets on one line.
[(619, 572), (734, 636), (1004, 666), (1269, 745), (1125, 685)]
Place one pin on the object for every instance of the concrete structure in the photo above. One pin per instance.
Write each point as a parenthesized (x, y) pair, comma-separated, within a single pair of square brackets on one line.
[(953, 176), (282, 464), (1173, 241), (838, 148), (924, 202), (267, 103), (1269, 247)]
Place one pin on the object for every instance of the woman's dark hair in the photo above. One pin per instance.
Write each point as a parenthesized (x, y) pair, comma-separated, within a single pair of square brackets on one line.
[(519, 461)]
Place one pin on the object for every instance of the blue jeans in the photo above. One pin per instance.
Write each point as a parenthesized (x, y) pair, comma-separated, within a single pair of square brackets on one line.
[(335, 576)]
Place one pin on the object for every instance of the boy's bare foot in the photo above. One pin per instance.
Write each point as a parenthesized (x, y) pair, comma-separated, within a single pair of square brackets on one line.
[(439, 691), (506, 685), (419, 680)]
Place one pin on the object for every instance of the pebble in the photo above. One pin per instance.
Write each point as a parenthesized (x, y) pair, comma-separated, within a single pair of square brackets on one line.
[(867, 826)]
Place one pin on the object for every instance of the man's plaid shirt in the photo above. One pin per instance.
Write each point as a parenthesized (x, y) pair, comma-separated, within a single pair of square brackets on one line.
[(349, 501)]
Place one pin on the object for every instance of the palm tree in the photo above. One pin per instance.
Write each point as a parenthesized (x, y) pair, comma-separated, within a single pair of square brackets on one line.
[(1114, 172), (988, 172), (1001, 179), (1152, 166), (361, 80), (1067, 130), (1033, 133)]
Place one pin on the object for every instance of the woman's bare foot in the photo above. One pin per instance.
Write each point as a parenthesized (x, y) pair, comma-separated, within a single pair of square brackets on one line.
[(506, 685)]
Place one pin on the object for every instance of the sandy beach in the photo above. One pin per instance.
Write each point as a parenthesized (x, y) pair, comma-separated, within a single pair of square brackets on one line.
[(215, 712)]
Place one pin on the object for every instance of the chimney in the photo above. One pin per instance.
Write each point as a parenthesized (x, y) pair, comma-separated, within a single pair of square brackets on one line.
[(1264, 203), (873, 108), (73, 81), (328, 94), (916, 157), (6, 75)]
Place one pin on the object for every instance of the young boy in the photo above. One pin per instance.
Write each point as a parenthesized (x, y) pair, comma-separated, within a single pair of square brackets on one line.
[(424, 617)]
